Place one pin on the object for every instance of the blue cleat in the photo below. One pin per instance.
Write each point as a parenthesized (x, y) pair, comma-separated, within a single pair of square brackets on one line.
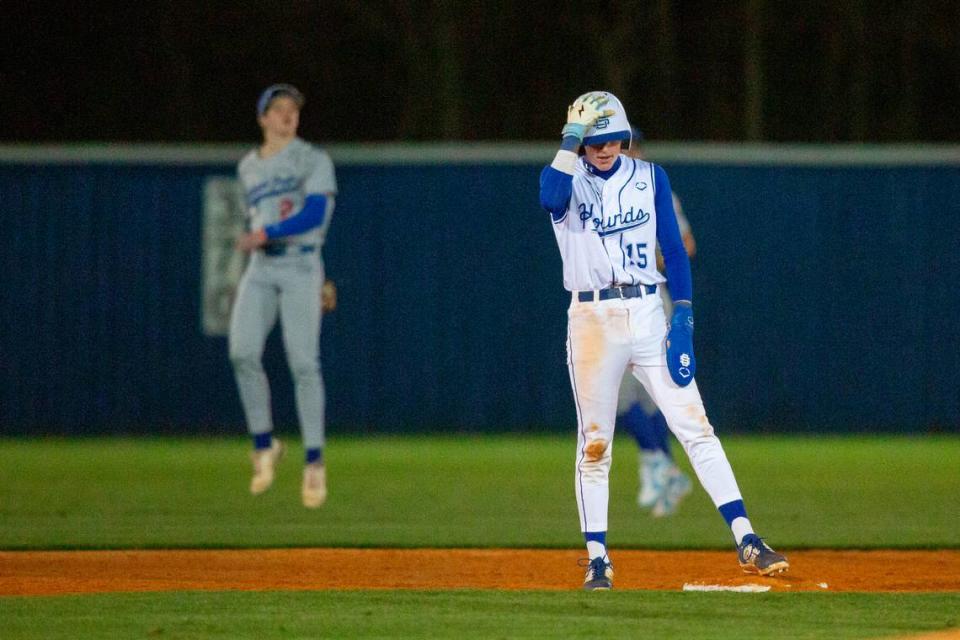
[(756, 557)]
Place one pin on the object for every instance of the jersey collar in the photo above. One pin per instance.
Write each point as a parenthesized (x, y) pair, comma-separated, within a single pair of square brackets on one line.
[(603, 174), (284, 151)]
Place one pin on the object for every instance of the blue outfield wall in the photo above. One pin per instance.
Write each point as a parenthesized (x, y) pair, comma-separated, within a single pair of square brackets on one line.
[(825, 297)]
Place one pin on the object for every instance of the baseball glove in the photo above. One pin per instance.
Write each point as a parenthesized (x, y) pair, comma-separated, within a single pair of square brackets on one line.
[(681, 362), (328, 296)]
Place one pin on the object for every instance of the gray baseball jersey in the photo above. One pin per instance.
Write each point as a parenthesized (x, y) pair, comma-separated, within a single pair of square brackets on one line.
[(682, 221), (276, 187)]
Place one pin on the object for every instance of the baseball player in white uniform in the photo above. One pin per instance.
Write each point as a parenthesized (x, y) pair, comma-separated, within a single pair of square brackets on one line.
[(290, 188), (609, 212)]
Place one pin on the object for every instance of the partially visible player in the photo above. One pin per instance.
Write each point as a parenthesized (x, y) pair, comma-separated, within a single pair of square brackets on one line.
[(328, 296), (609, 212), (290, 188), (662, 484)]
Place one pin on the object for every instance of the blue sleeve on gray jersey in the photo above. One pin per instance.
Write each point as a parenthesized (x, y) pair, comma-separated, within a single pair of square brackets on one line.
[(311, 215), (556, 187), (675, 258)]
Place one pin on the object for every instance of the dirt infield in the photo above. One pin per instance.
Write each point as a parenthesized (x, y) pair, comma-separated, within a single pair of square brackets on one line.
[(949, 634), (63, 572)]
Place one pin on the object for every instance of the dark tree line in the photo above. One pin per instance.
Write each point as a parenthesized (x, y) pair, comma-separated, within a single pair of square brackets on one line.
[(777, 70)]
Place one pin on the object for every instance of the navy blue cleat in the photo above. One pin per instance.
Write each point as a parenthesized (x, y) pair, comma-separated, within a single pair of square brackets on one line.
[(599, 576), (756, 557)]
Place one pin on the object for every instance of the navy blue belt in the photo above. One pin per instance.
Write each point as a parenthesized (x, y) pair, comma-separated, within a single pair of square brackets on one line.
[(624, 292), (282, 249)]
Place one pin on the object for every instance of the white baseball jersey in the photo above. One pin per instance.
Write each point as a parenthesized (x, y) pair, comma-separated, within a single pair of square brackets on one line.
[(276, 187), (608, 235)]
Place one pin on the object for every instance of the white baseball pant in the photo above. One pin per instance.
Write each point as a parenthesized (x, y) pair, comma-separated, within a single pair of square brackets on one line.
[(604, 339)]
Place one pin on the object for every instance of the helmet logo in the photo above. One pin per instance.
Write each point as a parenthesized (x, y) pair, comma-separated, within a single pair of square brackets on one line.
[(602, 123)]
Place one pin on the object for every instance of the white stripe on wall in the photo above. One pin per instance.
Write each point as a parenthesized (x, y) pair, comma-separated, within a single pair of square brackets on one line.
[(496, 153)]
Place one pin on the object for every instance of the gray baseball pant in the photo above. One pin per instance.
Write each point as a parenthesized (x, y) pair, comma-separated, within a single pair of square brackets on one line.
[(287, 285)]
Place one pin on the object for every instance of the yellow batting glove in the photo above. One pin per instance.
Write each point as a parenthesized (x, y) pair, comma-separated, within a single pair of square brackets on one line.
[(583, 113)]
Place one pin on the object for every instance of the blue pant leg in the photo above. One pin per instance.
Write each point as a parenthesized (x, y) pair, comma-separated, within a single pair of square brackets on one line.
[(650, 431), (660, 433), (638, 423)]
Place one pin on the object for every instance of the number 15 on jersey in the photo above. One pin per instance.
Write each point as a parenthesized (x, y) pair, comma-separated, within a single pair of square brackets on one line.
[(637, 255)]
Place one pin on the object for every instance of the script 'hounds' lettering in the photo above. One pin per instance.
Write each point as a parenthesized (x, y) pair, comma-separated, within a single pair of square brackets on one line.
[(620, 221)]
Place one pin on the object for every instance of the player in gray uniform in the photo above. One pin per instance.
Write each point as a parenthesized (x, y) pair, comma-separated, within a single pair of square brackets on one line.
[(290, 188), (609, 212), (662, 484)]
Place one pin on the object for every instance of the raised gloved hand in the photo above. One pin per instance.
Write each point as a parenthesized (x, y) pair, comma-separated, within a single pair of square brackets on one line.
[(583, 113), (681, 362)]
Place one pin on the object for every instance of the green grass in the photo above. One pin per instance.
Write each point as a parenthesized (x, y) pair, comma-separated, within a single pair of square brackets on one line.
[(467, 491), (509, 491), (475, 614)]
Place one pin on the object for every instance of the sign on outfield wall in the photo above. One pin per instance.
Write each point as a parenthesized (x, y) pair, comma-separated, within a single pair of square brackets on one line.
[(223, 265)]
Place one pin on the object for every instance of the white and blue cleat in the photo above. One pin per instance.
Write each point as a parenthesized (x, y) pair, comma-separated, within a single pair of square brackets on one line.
[(599, 576), (662, 484)]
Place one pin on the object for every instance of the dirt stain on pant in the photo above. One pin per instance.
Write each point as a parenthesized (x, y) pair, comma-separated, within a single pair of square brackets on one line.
[(594, 450)]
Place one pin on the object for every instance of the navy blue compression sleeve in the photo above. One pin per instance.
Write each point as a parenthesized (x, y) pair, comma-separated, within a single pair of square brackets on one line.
[(675, 258), (311, 215)]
